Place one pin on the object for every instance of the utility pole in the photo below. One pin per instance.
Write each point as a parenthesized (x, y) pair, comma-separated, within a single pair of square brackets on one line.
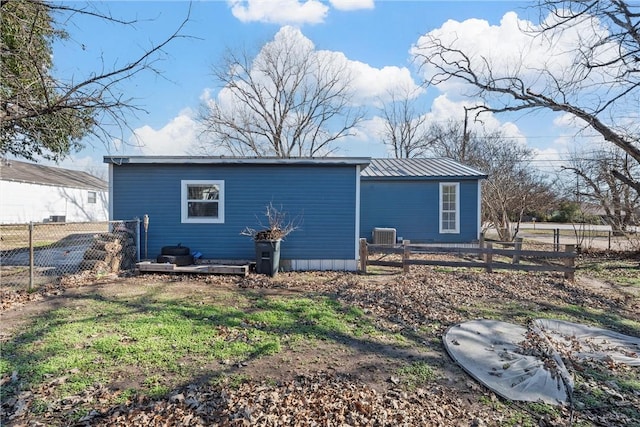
[(465, 136)]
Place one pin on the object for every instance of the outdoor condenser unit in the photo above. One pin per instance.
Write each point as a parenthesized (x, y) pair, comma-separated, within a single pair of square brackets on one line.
[(384, 236)]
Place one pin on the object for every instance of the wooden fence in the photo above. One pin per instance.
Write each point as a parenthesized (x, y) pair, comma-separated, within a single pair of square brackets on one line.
[(486, 256)]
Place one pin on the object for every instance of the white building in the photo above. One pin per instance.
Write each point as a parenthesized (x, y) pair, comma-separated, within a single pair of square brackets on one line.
[(33, 192)]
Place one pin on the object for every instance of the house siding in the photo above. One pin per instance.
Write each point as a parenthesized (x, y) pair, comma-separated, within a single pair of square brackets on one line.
[(25, 202), (412, 208), (322, 196)]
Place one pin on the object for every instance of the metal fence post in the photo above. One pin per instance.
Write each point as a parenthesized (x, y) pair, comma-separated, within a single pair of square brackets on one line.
[(137, 239), (31, 256)]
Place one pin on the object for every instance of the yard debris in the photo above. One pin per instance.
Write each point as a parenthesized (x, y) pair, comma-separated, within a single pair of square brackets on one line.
[(316, 399), (110, 252), (420, 305), (10, 298), (528, 364)]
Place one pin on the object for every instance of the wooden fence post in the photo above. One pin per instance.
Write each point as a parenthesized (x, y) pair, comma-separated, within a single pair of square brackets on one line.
[(570, 262), (518, 249), (481, 244), (406, 254), (364, 255), (488, 259)]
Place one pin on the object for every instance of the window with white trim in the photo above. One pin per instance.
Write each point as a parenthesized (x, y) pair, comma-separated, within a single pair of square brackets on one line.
[(92, 197), (449, 207), (202, 201)]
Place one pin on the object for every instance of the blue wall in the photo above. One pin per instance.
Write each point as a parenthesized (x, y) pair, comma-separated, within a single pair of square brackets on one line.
[(322, 196), (411, 207)]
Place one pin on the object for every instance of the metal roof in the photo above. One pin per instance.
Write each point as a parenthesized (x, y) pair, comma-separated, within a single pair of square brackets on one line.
[(223, 160), (425, 168), (17, 171), (419, 168)]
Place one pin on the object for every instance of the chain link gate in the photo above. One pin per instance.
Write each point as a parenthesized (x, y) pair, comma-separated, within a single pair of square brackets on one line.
[(35, 254)]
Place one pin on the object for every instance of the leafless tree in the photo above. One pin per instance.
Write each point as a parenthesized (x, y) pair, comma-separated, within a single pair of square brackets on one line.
[(405, 126), (600, 88), (287, 101), (598, 185), (48, 116), (512, 190)]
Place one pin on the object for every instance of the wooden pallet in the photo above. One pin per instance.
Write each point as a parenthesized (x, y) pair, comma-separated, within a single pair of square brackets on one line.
[(147, 266)]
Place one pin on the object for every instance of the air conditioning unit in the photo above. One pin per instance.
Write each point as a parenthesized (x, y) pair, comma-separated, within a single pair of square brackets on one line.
[(384, 236)]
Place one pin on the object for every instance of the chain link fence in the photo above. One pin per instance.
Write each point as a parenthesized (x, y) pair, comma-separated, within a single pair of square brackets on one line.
[(35, 254)]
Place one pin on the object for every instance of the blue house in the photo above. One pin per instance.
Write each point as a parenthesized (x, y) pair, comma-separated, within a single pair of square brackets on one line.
[(422, 200), (205, 202)]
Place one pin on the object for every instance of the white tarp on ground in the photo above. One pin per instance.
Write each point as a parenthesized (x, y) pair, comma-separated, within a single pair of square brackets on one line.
[(524, 363)]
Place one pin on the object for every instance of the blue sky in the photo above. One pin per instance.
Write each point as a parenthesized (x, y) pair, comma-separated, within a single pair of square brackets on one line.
[(377, 36)]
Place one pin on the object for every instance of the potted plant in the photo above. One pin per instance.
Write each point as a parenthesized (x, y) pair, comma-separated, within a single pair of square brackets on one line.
[(267, 239)]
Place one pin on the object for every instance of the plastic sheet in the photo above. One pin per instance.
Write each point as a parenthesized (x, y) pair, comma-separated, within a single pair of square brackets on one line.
[(526, 364)]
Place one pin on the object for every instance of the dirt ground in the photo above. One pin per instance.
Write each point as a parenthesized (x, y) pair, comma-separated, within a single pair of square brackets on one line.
[(355, 378), (374, 363)]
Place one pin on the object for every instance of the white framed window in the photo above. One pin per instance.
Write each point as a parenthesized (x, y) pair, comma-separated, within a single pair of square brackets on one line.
[(92, 197), (449, 207), (202, 201)]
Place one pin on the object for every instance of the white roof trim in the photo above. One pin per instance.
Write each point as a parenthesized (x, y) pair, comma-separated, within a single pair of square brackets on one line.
[(118, 160)]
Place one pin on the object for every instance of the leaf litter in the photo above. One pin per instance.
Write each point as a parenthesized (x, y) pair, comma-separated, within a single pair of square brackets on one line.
[(421, 305)]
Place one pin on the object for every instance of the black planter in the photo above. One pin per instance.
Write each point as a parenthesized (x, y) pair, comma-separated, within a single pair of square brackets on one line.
[(267, 256)]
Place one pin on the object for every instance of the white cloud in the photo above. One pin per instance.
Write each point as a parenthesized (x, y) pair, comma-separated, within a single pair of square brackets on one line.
[(279, 11), (366, 140), (509, 49), (547, 155), (178, 137), (565, 120), (368, 86), (369, 130), (371, 85), (291, 11), (352, 4), (550, 160)]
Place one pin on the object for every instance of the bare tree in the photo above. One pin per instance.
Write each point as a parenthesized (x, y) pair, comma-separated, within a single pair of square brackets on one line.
[(512, 190), (287, 101), (453, 139), (42, 115), (598, 185), (600, 87), (513, 186), (405, 126)]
